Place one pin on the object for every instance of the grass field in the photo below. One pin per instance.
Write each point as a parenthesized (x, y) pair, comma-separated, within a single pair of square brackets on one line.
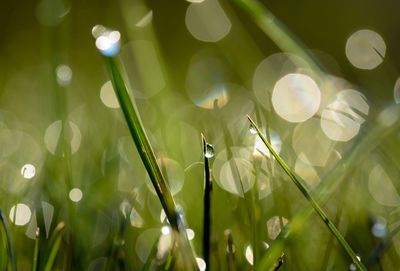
[(199, 135)]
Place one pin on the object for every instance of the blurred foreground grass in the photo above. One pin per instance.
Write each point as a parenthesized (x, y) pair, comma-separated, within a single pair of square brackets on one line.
[(326, 98)]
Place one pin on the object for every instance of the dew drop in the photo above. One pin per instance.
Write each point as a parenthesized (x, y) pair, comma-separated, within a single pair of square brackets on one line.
[(352, 266), (253, 129), (210, 152), (107, 40), (28, 171), (201, 264), (190, 234)]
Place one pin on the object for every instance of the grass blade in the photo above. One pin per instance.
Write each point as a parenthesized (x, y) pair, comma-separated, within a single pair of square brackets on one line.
[(55, 243), (146, 152), (9, 240), (310, 199), (207, 202), (142, 143), (36, 251)]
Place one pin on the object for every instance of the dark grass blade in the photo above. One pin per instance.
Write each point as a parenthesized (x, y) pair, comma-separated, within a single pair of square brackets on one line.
[(10, 248), (207, 204), (36, 251), (311, 200), (146, 153), (55, 243)]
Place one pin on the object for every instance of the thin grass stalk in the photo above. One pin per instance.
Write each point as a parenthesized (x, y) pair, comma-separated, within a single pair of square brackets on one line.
[(10, 247), (328, 183), (311, 200), (36, 251), (207, 205), (146, 153), (142, 143), (55, 243)]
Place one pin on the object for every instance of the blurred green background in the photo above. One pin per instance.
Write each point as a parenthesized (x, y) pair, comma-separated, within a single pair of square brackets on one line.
[(199, 67)]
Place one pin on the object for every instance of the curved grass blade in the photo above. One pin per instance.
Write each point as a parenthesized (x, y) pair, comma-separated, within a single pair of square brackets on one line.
[(146, 154), (142, 143), (9, 240), (55, 243), (207, 202), (311, 200), (36, 251)]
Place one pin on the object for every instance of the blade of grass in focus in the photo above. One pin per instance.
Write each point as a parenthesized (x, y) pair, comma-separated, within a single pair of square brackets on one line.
[(55, 243), (36, 251), (10, 248), (146, 153), (310, 199), (328, 183), (207, 149)]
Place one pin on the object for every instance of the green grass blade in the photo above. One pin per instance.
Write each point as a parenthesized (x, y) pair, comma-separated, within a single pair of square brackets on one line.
[(146, 153), (207, 204), (310, 199), (36, 251), (55, 243), (142, 143), (9, 240)]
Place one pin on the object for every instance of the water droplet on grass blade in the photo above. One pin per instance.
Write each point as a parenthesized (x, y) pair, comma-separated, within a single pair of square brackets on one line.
[(190, 234), (201, 264), (210, 152), (107, 40), (252, 129), (352, 266)]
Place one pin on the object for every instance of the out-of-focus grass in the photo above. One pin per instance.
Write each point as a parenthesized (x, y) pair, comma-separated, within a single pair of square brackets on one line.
[(116, 224)]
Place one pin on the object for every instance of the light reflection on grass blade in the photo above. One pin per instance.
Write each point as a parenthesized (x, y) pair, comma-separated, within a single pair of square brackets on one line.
[(207, 205), (146, 153), (311, 200)]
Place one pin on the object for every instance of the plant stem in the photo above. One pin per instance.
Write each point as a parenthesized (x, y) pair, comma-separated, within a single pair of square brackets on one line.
[(55, 243), (9, 240), (145, 151), (313, 203), (207, 206), (36, 251)]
